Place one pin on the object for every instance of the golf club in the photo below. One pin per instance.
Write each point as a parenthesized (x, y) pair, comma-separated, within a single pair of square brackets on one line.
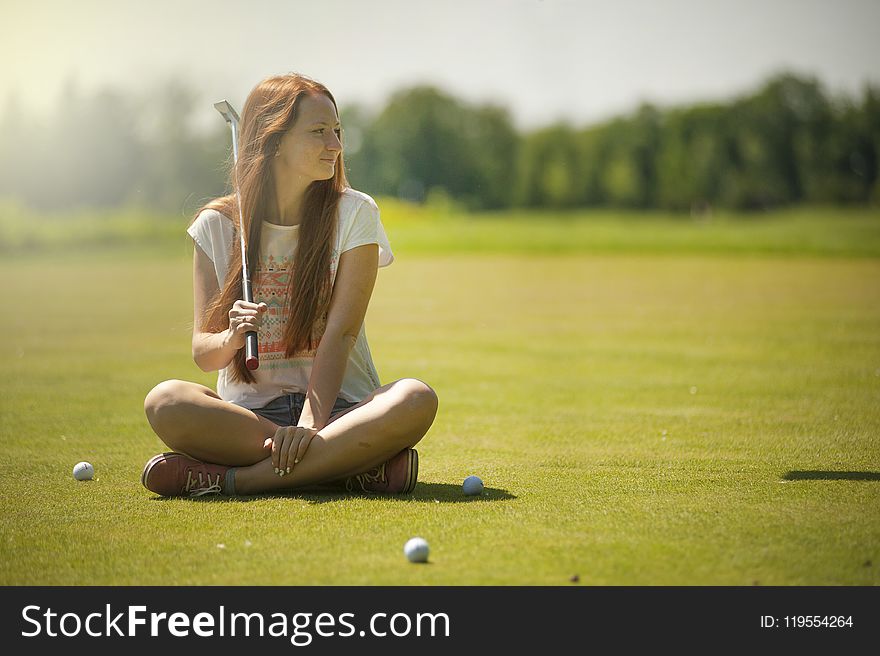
[(251, 356)]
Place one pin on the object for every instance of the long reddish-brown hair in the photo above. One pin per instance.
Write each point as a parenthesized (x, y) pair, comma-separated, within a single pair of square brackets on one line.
[(270, 111)]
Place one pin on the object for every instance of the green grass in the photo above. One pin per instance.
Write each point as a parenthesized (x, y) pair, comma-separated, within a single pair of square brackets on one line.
[(637, 418), (797, 231), (445, 229)]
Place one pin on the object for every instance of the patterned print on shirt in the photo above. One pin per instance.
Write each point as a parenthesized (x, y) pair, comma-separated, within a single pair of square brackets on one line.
[(271, 279)]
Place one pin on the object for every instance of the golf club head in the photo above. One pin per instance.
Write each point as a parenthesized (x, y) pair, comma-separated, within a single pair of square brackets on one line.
[(226, 111)]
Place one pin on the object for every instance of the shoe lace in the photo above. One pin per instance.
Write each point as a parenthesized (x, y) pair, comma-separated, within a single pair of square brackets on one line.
[(375, 475), (200, 486)]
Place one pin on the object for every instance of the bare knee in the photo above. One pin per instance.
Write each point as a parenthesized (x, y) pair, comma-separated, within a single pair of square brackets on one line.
[(163, 398), (419, 399)]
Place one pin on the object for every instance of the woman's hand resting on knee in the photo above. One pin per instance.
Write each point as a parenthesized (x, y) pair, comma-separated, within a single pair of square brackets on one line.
[(289, 446)]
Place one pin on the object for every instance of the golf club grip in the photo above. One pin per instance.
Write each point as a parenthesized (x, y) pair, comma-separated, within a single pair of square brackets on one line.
[(251, 357), (251, 353)]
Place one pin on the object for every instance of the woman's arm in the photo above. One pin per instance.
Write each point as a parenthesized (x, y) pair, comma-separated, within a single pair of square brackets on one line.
[(355, 278), (211, 351)]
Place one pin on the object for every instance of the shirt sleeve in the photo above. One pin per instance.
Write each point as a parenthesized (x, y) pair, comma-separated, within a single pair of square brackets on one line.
[(213, 232), (365, 227)]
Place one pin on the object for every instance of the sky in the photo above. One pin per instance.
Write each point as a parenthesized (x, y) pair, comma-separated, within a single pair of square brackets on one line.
[(545, 60)]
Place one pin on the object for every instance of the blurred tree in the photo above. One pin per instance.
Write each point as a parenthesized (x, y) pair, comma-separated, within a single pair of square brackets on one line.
[(550, 170), (644, 143), (871, 110), (86, 155), (425, 139), (854, 150), (588, 146), (17, 136), (693, 156), (619, 179), (181, 169), (355, 120), (787, 142), (495, 145), (768, 128), (420, 142)]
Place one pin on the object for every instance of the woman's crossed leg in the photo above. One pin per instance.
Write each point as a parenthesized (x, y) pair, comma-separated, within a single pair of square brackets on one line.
[(192, 419)]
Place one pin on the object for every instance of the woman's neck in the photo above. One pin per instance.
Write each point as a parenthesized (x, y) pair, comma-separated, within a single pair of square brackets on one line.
[(289, 201), (288, 215)]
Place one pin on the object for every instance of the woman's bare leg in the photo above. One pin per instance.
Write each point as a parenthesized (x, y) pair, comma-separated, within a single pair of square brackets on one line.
[(394, 417), (192, 419)]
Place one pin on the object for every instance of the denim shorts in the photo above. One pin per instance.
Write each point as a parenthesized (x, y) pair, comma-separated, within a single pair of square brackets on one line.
[(285, 410)]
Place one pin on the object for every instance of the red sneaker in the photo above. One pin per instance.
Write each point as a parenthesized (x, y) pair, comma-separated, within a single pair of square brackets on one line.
[(397, 476), (176, 475)]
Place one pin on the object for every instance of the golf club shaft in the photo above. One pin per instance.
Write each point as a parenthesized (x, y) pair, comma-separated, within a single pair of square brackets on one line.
[(251, 352)]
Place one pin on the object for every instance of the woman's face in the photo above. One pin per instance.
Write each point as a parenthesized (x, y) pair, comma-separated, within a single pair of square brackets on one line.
[(310, 149)]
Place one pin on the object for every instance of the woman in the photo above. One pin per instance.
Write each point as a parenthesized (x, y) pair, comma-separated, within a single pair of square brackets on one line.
[(314, 411)]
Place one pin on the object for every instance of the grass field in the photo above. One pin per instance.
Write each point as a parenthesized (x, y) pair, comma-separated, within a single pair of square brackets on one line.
[(662, 411)]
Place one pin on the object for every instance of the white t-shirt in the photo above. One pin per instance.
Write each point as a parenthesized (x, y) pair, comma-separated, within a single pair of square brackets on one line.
[(359, 224)]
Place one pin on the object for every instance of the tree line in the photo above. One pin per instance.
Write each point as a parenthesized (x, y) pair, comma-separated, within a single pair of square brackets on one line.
[(788, 142)]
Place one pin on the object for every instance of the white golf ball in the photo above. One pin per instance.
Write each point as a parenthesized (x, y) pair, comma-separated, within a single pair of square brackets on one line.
[(416, 550), (472, 485), (83, 471)]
